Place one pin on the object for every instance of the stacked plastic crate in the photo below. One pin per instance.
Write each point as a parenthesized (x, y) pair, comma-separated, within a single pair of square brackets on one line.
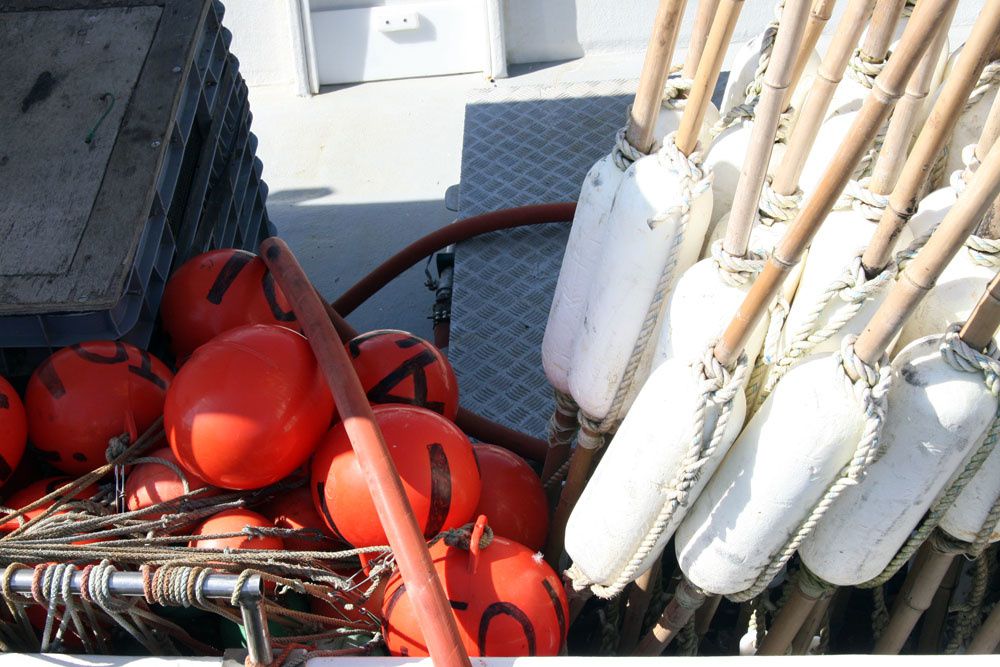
[(209, 194)]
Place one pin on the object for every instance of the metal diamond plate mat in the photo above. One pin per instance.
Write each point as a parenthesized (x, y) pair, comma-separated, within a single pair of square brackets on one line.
[(523, 145)]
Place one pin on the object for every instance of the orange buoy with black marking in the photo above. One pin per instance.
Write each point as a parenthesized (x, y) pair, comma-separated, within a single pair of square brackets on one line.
[(36, 490), (86, 394), (507, 600), (13, 430), (398, 367), (513, 495), (217, 291), (295, 510), (248, 408), (435, 462), (154, 481), (235, 521)]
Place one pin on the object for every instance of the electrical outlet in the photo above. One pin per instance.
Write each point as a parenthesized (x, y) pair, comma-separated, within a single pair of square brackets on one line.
[(395, 19)]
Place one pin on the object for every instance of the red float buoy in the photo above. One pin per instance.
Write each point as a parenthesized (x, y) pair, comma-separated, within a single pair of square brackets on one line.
[(217, 291), (86, 394), (398, 367), (507, 601), (152, 482), (33, 492), (512, 497), (435, 462), (235, 521), (248, 408), (13, 430), (295, 510)]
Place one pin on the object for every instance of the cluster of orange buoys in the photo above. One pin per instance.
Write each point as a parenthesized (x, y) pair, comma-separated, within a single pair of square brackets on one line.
[(248, 407)]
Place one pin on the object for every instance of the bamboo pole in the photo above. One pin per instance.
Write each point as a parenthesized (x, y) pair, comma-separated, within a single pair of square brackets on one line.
[(707, 74), (828, 77), (934, 618), (916, 596), (699, 35), (944, 116), (807, 590), (803, 640), (821, 12), (640, 592), (655, 70), (687, 599), (919, 276), (990, 226), (879, 37), (906, 115), (886, 90), (580, 464), (987, 638), (703, 617), (777, 80)]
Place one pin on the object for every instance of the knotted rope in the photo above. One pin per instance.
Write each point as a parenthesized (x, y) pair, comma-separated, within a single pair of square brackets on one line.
[(694, 181), (623, 154), (676, 91), (869, 386), (861, 199), (864, 69), (717, 387), (988, 78), (855, 289), (775, 207), (960, 356), (970, 612), (737, 271)]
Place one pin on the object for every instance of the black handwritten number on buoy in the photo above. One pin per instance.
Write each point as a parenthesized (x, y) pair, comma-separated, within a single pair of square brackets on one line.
[(440, 490), (145, 370), (412, 367), (5, 469), (514, 612), (270, 293), (227, 274), (557, 605)]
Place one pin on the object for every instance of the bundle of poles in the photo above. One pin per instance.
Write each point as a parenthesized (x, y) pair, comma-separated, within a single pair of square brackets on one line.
[(772, 338)]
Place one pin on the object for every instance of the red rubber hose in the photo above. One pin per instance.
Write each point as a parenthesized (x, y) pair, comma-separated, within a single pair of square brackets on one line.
[(478, 427), (434, 614)]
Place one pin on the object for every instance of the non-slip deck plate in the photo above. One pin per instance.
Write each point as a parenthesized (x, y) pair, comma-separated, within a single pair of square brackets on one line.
[(523, 145)]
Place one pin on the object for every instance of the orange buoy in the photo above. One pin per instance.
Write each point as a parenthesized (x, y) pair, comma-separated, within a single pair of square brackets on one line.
[(248, 408), (151, 482), (513, 496), (398, 367), (13, 430), (507, 601), (33, 492), (433, 457), (217, 291), (234, 521), (295, 510), (86, 394)]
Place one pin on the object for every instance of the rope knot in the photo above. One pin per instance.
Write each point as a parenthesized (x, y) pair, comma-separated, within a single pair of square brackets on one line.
[(864, 69), (983, 251), (676, 91), (737, 271), (623, 154), (775, 207), (116, 447), (461, 537), (859, 197), (963, 357)]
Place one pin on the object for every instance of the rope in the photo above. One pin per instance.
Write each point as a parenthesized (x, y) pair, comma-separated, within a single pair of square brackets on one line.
[(737, 271), (776, 207), (558, 476), (694, 181), (610, 637), (687, 639), (855, 289), (676, 91), (623, 154), (717, 388), (880, 612), (868, 385), (863, 69), (988, 78), (970, 613), (960, 356)]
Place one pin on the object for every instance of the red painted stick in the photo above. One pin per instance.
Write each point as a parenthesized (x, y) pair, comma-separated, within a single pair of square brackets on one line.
[(422, 585)]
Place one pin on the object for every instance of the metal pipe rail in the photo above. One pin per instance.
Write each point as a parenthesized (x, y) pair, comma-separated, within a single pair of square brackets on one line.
[(215, 586)]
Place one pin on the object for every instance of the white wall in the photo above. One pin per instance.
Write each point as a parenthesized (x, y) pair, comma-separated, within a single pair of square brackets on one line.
[(262, 40), (544, 30)]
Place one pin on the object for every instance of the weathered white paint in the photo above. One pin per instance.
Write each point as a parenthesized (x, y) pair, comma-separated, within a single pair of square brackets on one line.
[(646, 217), (262, 40), (775, 472), (936, 417), (843, 235), (628, 489), (744, 66), (699, 310), (968, 515), (725, 159)]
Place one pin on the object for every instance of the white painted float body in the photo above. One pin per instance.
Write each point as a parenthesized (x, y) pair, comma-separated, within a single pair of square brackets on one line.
[(792, 449), (725, 159), (583, 252), (967, 516), (937, 417), (646, 219), (842, 236), (626, 493), (741, 74), (831, 135)]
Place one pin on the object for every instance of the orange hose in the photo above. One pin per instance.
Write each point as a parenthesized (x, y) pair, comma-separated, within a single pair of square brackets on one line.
[(433, 610)]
